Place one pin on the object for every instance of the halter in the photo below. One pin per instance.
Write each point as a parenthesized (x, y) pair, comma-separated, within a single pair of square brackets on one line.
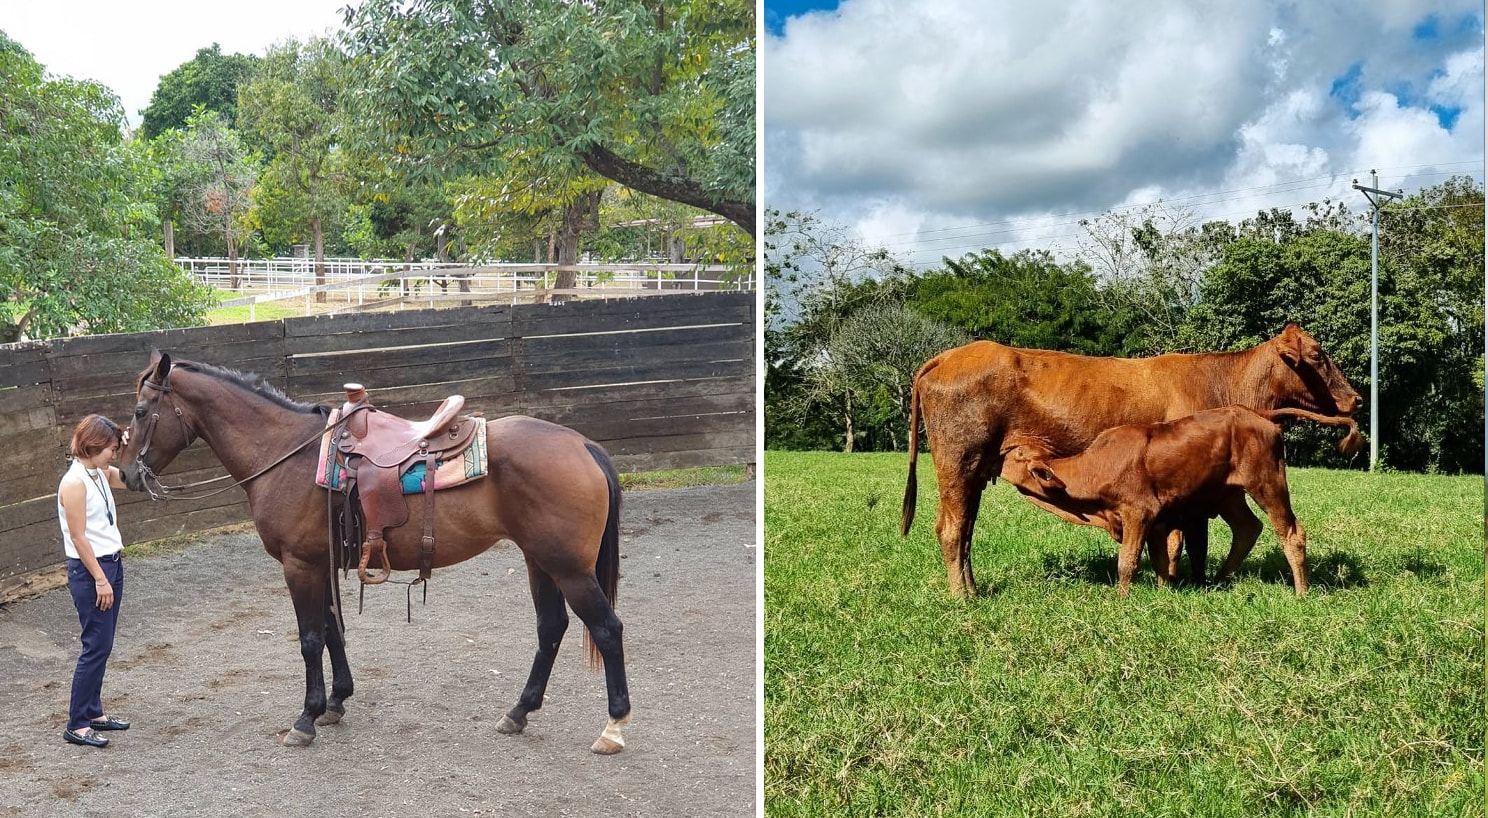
[(148, 475)]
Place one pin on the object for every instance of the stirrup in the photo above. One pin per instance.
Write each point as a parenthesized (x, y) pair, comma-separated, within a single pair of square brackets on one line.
[(386, 569)]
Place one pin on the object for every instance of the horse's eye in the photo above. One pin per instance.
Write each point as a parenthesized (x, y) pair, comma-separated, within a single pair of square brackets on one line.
[(139, 411)]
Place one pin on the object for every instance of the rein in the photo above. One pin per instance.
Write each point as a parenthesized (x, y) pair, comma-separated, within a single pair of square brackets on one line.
[(166, 492)]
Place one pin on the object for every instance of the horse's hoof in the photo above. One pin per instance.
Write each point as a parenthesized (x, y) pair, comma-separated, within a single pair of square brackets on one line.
[(295, 738), (329, 717), (610, 741), (509, 727), (606, 747)]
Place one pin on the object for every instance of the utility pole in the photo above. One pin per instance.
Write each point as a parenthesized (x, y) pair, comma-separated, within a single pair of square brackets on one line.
[(1375, 197)]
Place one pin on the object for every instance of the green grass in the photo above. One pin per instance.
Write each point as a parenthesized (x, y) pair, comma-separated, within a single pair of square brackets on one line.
[(685, 478), (267, 311), (1048, 695)]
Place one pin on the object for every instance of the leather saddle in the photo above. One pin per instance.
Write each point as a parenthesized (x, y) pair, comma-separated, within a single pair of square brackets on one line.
[(378, 448)]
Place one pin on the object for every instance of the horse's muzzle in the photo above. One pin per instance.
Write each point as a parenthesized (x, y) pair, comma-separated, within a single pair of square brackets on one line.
[(132, 478)]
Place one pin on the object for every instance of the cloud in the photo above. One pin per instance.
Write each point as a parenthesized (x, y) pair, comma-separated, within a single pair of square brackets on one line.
[(961, 112)]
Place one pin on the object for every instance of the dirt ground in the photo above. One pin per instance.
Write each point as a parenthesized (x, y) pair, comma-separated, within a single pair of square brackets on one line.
[(206, 664)]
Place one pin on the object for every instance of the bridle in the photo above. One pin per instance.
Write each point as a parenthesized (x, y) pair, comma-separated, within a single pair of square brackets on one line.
[(160, 491)]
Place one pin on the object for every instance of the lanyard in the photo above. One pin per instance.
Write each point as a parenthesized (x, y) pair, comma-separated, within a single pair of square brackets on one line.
[(107, 504)]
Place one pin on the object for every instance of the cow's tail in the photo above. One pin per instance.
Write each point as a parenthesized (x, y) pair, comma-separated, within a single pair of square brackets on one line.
[(911, 486), (1348, 445)]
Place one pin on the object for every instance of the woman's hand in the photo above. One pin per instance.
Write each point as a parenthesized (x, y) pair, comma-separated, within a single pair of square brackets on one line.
[(105, 592)]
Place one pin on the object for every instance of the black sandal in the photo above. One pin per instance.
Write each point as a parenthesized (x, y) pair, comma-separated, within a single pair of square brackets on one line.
[(109, 723)]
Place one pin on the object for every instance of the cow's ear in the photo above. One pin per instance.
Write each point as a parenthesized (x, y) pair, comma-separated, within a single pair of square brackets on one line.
[(1289, 344), (1045, 475)]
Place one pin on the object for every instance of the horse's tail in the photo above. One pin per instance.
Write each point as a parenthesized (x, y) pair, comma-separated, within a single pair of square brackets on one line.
[(911, 486), (1348, 445), (607, 565)]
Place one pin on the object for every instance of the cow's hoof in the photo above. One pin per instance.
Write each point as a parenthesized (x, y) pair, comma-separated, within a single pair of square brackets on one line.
[(295, 738), (508, 726)]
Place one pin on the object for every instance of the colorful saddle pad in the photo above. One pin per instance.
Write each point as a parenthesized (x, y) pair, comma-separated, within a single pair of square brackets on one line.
[(468, 464)]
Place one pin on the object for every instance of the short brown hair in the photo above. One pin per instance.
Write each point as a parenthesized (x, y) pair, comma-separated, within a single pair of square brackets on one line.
[(93, 434)]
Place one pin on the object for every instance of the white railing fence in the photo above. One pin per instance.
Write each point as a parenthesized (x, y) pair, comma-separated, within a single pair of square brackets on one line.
[(360, 280)]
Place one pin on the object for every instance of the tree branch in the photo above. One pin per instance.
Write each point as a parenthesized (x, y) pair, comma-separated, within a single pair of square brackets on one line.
[(606, 163)]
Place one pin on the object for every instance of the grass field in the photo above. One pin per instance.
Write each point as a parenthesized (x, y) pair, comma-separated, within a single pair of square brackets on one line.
[(1048, 695)]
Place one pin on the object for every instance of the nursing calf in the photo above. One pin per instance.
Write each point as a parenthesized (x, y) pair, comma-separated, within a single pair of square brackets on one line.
[(1142, 480), (983, 400)]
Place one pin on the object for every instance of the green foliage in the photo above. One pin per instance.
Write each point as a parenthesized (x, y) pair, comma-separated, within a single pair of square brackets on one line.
[(1026, 300), (76, 248), (1051, 696), (658, 97), (209, 81), (214, 177), (293, 106)]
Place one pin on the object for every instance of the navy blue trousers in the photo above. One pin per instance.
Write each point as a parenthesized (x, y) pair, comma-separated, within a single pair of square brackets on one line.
[(98, 637)]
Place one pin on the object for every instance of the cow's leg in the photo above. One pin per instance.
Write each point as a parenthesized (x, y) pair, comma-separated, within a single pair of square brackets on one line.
[(1274, 498), (1158, 551), (1132, 537), (1174, 547), (1196, 541), (961, 484), (1245, 529)]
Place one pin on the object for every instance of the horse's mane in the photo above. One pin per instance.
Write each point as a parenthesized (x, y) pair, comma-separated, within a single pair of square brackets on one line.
[(255, 384)]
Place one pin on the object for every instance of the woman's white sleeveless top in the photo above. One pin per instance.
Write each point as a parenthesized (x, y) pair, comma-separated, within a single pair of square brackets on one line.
[(102, 535)]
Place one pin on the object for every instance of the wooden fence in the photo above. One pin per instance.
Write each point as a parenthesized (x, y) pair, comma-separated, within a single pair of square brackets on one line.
[(661, 383)]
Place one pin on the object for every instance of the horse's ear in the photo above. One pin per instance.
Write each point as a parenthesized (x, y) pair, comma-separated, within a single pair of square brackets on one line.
[(162, 366)]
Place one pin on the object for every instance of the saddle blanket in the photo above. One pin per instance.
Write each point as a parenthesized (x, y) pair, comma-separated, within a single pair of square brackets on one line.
[(468, 464)]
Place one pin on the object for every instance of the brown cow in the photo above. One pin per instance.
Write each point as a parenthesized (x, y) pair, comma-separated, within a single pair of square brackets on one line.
[(982, 400), (1141, 480)]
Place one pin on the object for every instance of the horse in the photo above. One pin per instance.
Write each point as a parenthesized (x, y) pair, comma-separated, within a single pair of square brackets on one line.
[(548, 489)]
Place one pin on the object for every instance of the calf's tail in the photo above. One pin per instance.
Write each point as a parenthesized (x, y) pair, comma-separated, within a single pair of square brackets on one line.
[(1348, 445)]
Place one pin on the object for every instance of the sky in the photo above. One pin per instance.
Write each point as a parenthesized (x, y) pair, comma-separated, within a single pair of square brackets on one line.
[(941, 127), (128, 46)]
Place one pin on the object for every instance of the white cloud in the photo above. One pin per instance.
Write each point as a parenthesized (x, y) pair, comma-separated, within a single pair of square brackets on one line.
[(954, 113)]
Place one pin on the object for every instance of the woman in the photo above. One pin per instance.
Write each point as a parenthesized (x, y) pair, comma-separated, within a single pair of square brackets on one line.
[(95, 573)]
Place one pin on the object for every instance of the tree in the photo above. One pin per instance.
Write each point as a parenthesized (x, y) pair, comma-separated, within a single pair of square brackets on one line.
[(209, 81), (76, 248), (1316, 272), (657, 96), (293, 105), (869, 364), (1149, 265), (1028, 299), (567, 194), (817, 277), (1433, 241), (219, 175)]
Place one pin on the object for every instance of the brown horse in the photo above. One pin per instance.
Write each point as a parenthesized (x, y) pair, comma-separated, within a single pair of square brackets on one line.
[(549, 490)]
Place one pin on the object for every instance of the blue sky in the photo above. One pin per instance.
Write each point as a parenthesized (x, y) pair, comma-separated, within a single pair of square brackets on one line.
[(778, 11), (938, 127)]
